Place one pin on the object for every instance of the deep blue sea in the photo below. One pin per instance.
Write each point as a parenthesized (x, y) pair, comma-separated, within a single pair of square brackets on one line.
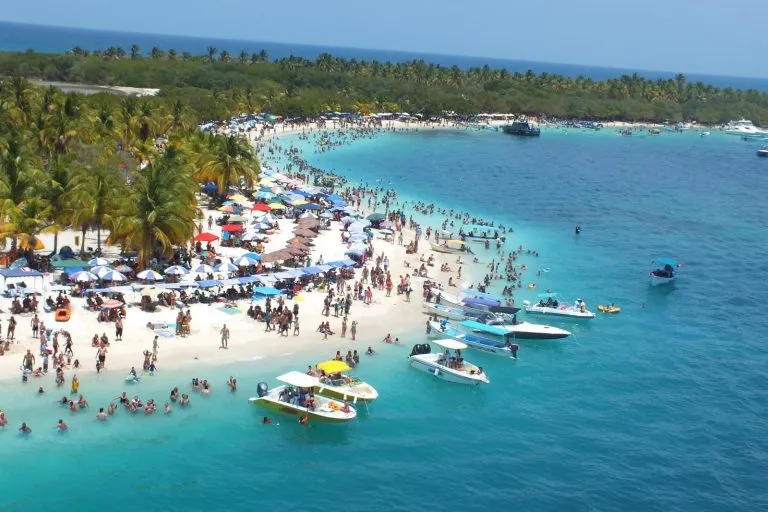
[(21, 37), (661, 407)]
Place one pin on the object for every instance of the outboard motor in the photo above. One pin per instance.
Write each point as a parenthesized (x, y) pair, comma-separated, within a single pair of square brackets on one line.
[(262, 389), (427, 348), (415, 350)]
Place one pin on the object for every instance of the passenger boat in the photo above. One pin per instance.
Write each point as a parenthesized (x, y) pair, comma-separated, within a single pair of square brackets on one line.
[(292, 398), (665, 271), (447, 366), (523, 128), (550, 305), (513, 329), (477, 233), (336, 384), (451, 247), (445, 330)]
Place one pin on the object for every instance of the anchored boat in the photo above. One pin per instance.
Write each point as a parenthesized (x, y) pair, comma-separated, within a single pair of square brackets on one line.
[(512, 329), (665, 272), (295, 397), (336, 384), (550, 305), (447, 365), (445, 330), (451, 247)]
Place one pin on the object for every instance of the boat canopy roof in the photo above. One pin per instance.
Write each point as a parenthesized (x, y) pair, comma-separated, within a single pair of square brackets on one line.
[(482, 295), (298, 379), (480, 301), (450, 344), (490, 329), (476, 227), (549, 295), (333, 366), (666, 261)]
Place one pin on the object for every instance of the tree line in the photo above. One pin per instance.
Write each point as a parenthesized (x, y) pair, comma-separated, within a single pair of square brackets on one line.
[(218, 84)]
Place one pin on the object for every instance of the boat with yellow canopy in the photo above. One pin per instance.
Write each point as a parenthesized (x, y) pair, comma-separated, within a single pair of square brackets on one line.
[(337, 384)]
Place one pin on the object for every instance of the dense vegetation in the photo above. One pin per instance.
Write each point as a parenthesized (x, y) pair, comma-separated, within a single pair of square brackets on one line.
[(130, 167), (219, 84)]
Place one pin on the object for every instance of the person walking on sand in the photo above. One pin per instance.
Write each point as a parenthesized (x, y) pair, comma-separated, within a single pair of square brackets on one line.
[(35, 323), (155, 346), (224, 337), (353, 329), (118, 328), (11, 329), (296, 325)]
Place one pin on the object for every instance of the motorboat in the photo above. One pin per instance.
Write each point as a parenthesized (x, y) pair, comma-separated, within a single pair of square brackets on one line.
[(295, 397), (763, 151), (478, 233), (446, 365), (449, 312), (474, 303), (514, 330), (665, 272), (440, 330), (337, 384), (524, 128), (549, 304), (451, 247), (743, 127)]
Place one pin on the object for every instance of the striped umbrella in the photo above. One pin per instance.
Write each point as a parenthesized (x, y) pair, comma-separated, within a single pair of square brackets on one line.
[(97, 262), (150, 275), (225, 267), (112, 275), (203, 269), (176, 270), (84, 277)]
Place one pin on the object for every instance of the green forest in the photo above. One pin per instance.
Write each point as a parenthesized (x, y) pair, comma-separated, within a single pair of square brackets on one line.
[(218, 84)]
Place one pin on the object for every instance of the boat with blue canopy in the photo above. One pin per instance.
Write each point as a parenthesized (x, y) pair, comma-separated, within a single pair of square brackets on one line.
[(550, 304), (666, 271), (445, 330), (512, 329)]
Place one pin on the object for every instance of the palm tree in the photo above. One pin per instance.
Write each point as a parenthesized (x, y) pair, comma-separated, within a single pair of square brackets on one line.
[(93, 193), (20, 170), (229, 160), (135, 51), (212, 50), (224, 56), (24, 225), (157, 53), (172, 54), (161, 210), (243, 58)]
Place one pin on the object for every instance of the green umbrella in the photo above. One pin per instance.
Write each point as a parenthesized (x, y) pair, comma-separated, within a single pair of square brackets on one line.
[(375, 217)]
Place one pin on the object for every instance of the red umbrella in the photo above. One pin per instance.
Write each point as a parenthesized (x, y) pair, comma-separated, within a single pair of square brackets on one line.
[(261, 207), (232, 227), (206, 237)]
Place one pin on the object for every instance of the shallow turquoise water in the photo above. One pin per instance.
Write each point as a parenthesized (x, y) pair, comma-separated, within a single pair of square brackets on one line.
[(659, 408)]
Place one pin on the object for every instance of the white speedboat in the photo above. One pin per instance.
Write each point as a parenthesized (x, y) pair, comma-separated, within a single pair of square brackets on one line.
[(295, 398), (515, 330), (665, 273), (744, 127), (451, 247), (440, 330), (337, 384), (763, 151), (549, 304), (451, 367)]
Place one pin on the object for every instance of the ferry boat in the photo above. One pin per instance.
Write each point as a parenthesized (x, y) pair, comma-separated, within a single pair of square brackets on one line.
[(743, 127), (665, 272), (447, 366), (292, 398), (524, 128)]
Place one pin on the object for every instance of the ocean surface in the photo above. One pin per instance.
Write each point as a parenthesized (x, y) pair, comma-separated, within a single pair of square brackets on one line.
[(45, 39), (659, 408)]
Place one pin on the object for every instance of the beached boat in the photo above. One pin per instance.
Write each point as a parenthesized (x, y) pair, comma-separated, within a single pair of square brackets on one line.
[(447, 366), (508, 330), (336, 384), (665, 272), (445, 330), (550, 305), (451, 247), (449, 312), (292, 398), (523, 128)]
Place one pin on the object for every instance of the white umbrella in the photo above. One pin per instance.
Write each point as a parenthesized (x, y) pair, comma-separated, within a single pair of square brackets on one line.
[(250, 237), (98, 261), (150, 275), (225, 267), (112, 275), (84, 277), (307, 215), (203, 269), (176, 270), (244, 261), (100, 269)]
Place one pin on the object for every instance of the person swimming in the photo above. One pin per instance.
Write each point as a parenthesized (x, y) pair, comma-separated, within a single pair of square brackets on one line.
[(61, 426), (101, 415), (266, 420)]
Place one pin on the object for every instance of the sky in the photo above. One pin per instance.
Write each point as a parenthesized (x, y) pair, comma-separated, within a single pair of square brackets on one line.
[(722, 37)]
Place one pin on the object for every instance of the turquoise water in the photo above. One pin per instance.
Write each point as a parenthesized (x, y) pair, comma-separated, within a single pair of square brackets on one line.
[(661, 407)]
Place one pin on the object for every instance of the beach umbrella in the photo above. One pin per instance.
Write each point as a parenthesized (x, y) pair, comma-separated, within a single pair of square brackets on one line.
[(231, 228), (244, 261), (250, 237), (150, 275), (266, 195), (176, 270), (251, 255), (307, 215), (84, 277), (100, 270), (268, 218), (375, 217), (326, 215), (205, 237), (112, 275), (236, 218), (261, 207), (331, 367), (226, 267), (354, 252), (124, 269), (358, 237), (203, 269), (227, 209), (276, 206), (299, 202), (97, 262), (111, 304), (309, 206)]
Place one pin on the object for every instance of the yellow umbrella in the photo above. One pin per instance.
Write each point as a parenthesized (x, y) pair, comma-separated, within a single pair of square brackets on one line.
[(266, 180), (238, 197), (298, 202), (333, 366), (35, 243), (151, 292), (276, 206)]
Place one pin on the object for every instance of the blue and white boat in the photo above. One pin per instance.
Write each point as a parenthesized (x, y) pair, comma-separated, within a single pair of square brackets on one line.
[(665, 273), (446, 330), (501, 327), (449, 312), (479, 233)]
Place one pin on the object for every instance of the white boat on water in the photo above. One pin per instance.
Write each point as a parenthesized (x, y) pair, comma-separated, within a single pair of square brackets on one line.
[(451, 247), (337, 384), (514, 330), (440, 330), (549, 304), (449, 312), (744, 127), (665, 273), (763, 151), (448, 366), (294, 398), (477, 233)]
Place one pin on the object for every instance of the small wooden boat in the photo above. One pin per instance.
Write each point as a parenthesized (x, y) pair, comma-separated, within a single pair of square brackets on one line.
[(62, 315)]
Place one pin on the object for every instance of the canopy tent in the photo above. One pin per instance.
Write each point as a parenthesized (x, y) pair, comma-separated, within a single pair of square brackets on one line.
[(18, 273), (209, 283), (311, 271), (68, 263), (231, 228)]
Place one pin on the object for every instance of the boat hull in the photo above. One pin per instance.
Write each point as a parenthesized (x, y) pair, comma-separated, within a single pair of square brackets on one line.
[(424, 364), (472, 341), (341, 393), (321, 413), (568, 313), (447, 250), (527, 331), (660, 281)]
